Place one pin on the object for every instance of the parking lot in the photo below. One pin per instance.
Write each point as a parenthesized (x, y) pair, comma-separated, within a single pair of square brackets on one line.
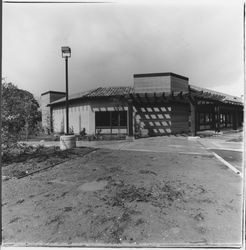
[(162, 191)]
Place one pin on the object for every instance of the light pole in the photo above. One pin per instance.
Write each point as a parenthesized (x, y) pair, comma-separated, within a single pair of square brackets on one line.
[(67, 141), (66, 53)]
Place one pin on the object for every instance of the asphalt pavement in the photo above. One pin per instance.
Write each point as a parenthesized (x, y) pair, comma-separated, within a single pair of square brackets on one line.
[(235, 158), (228, 146)]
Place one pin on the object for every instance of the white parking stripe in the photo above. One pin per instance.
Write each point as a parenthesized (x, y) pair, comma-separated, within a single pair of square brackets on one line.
[(228, 164), (228, 149)]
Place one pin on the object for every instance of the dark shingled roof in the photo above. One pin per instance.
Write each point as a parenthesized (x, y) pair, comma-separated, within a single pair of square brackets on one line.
[(216, 95), (110, 91), (98, 92), (125, 91)]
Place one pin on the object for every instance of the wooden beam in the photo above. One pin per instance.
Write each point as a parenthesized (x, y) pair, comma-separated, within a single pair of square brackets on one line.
[(191, 99)]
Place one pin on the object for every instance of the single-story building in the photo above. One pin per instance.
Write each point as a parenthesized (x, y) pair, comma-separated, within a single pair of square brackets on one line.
[(157, 104)]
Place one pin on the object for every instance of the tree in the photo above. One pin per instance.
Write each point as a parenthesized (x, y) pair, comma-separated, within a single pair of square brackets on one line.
[(19, 113)]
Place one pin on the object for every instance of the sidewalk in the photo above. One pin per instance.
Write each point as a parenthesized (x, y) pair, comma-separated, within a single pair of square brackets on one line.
[(221, 144), (229, 146), (152, 144), (167, 144)]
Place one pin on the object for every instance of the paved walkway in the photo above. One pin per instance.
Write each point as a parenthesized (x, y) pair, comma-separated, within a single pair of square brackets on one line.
[(221, 144), (230, 151), (228, 146), (153, 144)]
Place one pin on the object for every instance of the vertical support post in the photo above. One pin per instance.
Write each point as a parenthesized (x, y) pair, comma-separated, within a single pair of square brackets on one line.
[(118, 122), (51, 120), (226, 117), (1, 14), (240, 116), (235, 119), (214, 117), (218, 118), (193, 109), (237, 116), (110, 120), (67, 109), (130, 118)]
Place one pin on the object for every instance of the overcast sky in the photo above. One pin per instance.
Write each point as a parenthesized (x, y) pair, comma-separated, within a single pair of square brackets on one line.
[(202, 40)]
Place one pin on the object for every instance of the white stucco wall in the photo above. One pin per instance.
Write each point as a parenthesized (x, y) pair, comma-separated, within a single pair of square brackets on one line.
[(79, 116), (45, 99), (58, 115), (82, 115)]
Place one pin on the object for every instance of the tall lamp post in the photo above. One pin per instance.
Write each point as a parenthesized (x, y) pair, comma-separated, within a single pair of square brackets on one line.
[(66, 53), (67, 141)]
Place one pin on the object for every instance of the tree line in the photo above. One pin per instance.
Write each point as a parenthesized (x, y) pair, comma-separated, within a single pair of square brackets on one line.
[(20, 114)]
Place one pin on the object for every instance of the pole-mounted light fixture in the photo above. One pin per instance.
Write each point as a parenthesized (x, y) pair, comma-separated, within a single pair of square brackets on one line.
[(66, 53)]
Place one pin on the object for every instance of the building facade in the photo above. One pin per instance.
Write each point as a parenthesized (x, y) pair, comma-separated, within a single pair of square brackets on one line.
[(47, 98), (157, 104)]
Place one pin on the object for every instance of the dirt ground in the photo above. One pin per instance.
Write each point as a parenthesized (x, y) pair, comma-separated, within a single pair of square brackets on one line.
[(129, 198), (36, 159)]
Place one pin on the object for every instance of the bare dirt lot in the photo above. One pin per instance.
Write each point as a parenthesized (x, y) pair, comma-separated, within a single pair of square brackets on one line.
[(129, 198)]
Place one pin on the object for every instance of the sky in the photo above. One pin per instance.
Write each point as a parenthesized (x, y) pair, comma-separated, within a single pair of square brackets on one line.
[(201, 39)]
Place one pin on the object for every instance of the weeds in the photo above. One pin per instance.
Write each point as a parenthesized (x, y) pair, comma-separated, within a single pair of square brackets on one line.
[(147, 172), (139, 222), (158, 195), (20, 201), (21, 152), (68, 209), (24, 160), (14, 220)]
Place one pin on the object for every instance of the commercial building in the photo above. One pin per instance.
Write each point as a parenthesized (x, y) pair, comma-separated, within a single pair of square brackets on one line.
[(157, 104)]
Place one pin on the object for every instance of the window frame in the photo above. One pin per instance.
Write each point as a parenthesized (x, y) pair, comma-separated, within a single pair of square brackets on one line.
[(121, 123)]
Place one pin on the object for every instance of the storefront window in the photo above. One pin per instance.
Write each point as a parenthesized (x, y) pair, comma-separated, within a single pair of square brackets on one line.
[(111, 119), (115, 118), (103, 119), (123, 118)]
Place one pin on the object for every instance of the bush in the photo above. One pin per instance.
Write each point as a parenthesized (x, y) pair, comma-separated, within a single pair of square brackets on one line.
[(20, 115), (15, 150)]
